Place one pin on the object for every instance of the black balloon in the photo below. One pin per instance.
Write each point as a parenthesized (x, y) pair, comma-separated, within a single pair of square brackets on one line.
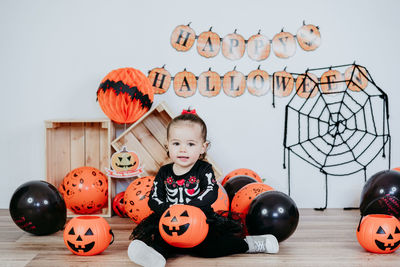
[(272, 212), (381, 194), (38, 208), (235, 184)]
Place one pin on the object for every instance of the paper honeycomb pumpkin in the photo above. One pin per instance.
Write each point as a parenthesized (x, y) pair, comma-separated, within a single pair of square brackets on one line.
[(234, 83), (160, 80), (124, 160), (183, 226), (209, 83), (118, 205), (284, 44), (222, 201), (258, 82), (85, 190), (242, 172), (185, 83), (87, 235), (243, 198), (136, 198), (208, 44), (331, 81), (258, 47), (182, 38), (233, 46), (307, 85), (356, 78), (379, 233), (282, 83), (125, 95), (309, 37)]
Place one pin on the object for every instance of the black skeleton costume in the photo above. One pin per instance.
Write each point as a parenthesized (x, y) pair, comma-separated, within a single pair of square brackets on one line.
[(198, 187)]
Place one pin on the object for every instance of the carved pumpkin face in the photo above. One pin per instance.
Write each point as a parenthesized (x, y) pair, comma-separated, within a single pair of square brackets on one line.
[(185, 84), (136, 198), (241, 172), (234, 83), (258, 82), (124, 160), (125, 95), (87, 235), (183, 226), (85, 190), (209, 83), (182, 38), (379, 233), (208, 44), (160, 79), (233, 46), (118, 205)]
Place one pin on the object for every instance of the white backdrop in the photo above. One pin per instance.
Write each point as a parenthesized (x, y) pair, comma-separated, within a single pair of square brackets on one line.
[(53, 55)]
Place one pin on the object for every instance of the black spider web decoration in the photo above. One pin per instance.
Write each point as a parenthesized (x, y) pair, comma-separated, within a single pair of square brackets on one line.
[(339, 131)]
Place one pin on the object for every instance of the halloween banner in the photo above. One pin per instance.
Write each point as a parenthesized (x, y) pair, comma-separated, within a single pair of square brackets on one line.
[(258, 82), (258, 46)]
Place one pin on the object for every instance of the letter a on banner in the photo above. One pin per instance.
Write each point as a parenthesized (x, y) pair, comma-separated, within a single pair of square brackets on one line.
[(185, 84), (182, 38)]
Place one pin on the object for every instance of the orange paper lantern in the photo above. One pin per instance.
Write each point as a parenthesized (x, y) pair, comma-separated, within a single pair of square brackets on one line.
[(125, 95)]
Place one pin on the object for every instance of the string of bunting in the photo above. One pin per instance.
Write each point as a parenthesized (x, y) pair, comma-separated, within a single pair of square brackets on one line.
[(259, 82), (233, 45)]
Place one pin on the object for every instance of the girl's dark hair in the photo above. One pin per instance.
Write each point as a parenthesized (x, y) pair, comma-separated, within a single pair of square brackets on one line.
[(189, 117)]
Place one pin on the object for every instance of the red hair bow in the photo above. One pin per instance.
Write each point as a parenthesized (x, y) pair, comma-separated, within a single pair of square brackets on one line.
[(193, 111)]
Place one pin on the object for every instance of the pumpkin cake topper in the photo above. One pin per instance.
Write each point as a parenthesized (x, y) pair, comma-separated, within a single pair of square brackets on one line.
[(124, 164)]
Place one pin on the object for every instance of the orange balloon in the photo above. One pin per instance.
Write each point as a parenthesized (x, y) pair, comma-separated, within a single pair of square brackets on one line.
[(241, 172), (243, 198), (222, 202), (85, 190), (125, 95), (137, 197), (397, 169)]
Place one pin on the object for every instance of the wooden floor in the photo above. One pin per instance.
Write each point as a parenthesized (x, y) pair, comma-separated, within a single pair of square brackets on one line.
[(322, 239)]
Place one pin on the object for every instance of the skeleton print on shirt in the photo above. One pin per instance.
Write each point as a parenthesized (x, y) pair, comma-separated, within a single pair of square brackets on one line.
[(197, 187)]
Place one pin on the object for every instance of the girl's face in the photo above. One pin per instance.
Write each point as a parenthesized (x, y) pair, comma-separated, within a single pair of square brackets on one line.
[(185, 145)]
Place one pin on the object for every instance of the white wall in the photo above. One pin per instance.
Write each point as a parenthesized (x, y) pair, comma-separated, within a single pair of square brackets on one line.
[(53, 55)]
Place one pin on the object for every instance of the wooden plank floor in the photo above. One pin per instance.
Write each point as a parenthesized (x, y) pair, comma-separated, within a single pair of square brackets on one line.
[(322, 239)]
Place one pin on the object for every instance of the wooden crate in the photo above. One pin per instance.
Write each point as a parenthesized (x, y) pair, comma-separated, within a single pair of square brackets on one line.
[(148, 138), (75, 143)]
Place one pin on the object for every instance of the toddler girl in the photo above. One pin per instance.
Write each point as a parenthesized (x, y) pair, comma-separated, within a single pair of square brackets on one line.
[(190, 180)]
